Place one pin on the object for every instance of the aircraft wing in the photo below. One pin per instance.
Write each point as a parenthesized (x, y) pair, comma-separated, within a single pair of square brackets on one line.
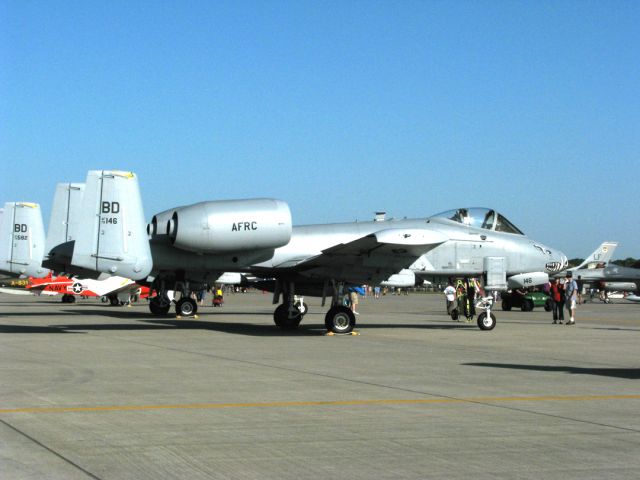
[(15, 291), (374, 256), (37, 288), (40, 287)]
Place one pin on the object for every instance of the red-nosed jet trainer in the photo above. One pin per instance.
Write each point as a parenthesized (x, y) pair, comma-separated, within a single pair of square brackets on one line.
[(116, 290), (186, 247)]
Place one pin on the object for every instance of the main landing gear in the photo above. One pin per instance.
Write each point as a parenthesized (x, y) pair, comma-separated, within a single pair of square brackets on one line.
[(185, 307), (287, 316), (340, 319), (161, 303), (68, 298)]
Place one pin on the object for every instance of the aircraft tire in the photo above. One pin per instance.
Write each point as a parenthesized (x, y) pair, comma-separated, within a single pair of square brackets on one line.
[(340, 320), (186, 307), (282, 320), (114, 301), (66, 298), (547, 305), (506, 305), (486, 322), (157, 308), (454, 314), (527, 305)]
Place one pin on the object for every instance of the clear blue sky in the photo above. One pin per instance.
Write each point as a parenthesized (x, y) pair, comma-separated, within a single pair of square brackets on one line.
[(340, 108)]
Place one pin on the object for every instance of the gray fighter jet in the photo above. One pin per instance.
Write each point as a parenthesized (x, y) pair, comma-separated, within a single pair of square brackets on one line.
[(22, 240), (623, 279), (598, 271), (186, 247), (592, 267)]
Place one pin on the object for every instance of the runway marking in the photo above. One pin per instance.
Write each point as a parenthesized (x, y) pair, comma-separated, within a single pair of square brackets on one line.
[(414, 401)]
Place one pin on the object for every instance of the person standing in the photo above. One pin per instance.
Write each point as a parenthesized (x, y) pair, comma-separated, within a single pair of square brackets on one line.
[(353, 300), (470, 287), (580, 284), (571, 295), (450, 294), (461, 297), (556, 292)]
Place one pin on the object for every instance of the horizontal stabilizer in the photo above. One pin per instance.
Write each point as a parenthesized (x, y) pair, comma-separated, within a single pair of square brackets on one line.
[(111, 235), (22, 239)]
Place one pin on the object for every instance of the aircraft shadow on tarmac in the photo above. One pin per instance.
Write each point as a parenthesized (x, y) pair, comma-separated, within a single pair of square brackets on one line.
[(630, 373), (144, 324), (143, 321)]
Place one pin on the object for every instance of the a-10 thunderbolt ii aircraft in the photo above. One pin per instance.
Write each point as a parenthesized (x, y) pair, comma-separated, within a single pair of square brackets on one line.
[(22, 240), (186, 247)]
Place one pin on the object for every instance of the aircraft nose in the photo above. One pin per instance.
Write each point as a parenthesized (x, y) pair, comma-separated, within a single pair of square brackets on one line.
[(559, 261)]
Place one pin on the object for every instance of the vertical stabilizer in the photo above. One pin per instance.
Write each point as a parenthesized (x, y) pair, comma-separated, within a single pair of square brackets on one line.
[(600, 257), (63, 223), (111, 236), (22, 239)]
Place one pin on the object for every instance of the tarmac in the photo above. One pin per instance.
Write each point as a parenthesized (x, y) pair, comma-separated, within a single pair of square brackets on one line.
[(93, 391)]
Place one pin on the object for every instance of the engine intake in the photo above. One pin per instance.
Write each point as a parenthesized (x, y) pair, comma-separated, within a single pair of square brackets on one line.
[(230, 225)]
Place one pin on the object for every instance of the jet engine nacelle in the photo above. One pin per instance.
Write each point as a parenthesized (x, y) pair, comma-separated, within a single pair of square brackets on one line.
[(404, 279), (525, 280), (231, 225)]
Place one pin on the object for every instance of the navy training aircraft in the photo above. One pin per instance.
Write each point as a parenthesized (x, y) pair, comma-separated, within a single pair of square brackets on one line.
[(186, 247)]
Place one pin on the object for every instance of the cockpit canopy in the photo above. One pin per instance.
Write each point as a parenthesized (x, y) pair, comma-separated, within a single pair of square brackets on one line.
[(481, 218)]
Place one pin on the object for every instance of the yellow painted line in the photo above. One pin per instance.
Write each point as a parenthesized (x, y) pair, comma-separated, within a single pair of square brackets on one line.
[(411, 401)]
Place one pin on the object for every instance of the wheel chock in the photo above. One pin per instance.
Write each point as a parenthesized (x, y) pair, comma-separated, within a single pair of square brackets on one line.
[(178, 317), (196, 317), (332, 334)]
